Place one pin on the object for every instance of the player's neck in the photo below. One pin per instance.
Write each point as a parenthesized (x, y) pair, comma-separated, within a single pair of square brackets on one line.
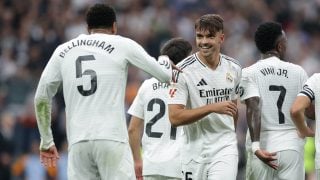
[(101, 30), (270, 54), (211, 61)]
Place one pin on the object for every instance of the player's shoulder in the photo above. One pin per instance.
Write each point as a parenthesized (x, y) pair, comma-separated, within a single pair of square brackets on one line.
[(231, 61), (188, 62), (315, 76)]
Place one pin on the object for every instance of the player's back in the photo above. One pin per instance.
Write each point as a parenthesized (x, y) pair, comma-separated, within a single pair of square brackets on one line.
[(160, 141), (94, 72), (278, 82)]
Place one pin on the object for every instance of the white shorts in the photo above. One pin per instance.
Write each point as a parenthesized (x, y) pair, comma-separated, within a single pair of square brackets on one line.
[(290, 167), (224, 168), (159, 177), (317, 174), (100, 159)]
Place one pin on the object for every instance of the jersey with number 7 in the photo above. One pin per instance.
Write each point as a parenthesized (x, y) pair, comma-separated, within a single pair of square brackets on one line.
[(277, 83)]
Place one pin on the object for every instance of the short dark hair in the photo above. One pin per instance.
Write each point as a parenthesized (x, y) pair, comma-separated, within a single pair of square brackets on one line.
[(267, 35), (176, 49), (100, 16), (211, 22)]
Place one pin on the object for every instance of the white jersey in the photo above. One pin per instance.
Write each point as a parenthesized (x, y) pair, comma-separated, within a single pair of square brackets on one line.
[(198, 85), (311, 89), (277, 83), (93, 72), (160, 141)]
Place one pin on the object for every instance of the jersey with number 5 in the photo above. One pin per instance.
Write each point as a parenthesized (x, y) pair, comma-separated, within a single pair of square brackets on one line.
[(93, 72), (160, 141), (277, 83)]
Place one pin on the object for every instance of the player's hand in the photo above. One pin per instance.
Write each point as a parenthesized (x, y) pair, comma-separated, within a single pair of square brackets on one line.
[(49, 157), (225, 107), (307, 133), (138, 169), (267, 158), (174, 67)]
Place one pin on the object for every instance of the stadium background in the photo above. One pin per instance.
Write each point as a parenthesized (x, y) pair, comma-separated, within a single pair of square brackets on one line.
[(30, 30)]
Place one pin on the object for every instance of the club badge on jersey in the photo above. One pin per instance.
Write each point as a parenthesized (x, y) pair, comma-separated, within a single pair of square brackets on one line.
[(229, 77)]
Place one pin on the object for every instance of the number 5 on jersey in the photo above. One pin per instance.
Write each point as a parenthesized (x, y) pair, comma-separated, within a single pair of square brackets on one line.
[(92, 73)]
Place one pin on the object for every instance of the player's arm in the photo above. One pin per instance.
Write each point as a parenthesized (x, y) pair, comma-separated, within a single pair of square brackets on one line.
[(49, 83), (235, 116), (160, 69), (254, 124), (179, 115), (135, 134), (253, 117), (297, 112)]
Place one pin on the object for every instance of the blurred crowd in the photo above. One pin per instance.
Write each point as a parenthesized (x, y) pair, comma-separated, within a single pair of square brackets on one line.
[(30, 30)]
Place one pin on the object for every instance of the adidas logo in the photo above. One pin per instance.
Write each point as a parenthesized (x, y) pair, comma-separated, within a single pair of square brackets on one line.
[(202, 82)]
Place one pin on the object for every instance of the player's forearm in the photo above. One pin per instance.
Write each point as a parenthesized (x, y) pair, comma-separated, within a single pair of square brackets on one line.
[(254, 118), (163, 71), (135, 141), (43, 116), (179, 116), (235, 116), (297, 116)]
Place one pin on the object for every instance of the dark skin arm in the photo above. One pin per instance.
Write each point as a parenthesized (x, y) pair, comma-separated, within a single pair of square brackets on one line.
[(235, 116), (254, 125)]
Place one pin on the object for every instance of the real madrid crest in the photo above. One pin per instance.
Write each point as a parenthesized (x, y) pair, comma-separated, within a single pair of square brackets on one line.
[(229, 77)]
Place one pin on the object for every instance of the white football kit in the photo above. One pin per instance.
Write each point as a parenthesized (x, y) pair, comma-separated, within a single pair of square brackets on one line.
[(93, 72), (276, 83), (311, 89), (213, 137), (160, 141)]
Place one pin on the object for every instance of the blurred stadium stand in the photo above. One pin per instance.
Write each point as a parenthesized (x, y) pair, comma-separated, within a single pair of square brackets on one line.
[(30, 30)]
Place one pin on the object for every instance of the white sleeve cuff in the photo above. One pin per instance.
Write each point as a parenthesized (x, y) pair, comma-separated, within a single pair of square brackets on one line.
[(255, 146)]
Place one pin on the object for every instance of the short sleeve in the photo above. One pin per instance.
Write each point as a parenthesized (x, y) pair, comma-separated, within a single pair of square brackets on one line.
[(248, 87), (310, 87), (178, 93), (136, 108)]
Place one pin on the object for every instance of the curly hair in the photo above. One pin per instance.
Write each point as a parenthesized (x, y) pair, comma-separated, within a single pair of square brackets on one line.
[(100, 16), (177, 49), (267, 35)]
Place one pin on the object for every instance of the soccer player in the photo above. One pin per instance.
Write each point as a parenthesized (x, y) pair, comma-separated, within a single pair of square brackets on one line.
[(268, 89), (203, 102), (307, 103), (92, 69), (160, 141)]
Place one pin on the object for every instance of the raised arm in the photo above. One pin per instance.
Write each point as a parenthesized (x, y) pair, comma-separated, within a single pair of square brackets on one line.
[(160, 69)]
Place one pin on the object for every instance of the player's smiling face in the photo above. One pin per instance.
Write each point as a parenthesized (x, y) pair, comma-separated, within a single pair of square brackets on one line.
[(207, 42)]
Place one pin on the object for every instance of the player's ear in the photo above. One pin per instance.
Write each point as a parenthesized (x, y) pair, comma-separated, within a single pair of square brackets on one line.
[(281, 46), (114, 28), (221, 37)]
